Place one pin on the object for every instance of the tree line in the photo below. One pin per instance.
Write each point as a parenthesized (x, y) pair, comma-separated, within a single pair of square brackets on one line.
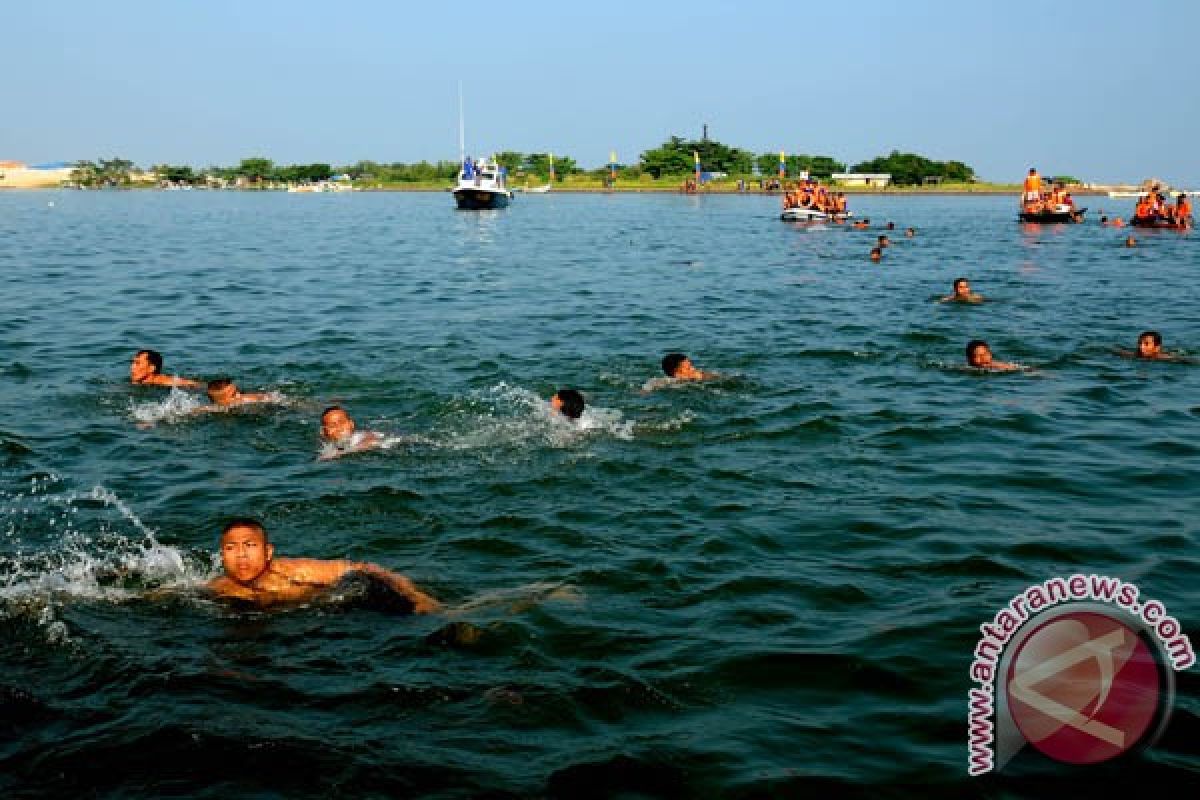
[(673, 158)]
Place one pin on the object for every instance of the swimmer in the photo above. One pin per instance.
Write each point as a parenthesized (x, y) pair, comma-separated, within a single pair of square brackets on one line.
[(979, 356), (891, 226), (962, 293), (568, 402), (224, 393), (862, 224), (876, 254), (146, 370), (1130, 242), (884, 241), (1118, 222), (1103, 221), (679, 367), (1149, 347), (253, 573), (910, 232), (338, 431)]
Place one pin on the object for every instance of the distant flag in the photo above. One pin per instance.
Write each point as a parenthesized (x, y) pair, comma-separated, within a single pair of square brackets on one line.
[(696, 156), (782, 165), (552, 167), (612, 165)]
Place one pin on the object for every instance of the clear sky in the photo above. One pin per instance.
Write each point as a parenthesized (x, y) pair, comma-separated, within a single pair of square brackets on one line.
[(1103, 90)]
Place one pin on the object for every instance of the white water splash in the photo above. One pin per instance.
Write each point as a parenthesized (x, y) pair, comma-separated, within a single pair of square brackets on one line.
[(89, 556), (177, 405)]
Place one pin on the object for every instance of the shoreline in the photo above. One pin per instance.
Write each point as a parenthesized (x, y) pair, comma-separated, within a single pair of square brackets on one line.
[(855, 191)]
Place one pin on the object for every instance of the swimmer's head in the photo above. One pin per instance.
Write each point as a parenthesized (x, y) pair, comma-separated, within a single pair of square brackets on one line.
[(891, 226), (335, 424), (245, 550), (910, 232), (876, 253), (568, 402), (145, 364), (1103, 220), (883, 240), (1150, 344), (962, 288), (1130, 242), (978, 353), (671, 363), (222, 391)]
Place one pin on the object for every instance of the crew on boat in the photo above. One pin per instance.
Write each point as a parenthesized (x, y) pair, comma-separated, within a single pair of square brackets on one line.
[(810, 194)]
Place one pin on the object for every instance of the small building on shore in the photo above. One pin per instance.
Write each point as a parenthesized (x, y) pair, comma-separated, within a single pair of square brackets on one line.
[(871, 180)]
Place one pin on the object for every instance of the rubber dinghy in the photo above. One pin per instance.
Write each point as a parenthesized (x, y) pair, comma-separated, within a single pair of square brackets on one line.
[(1155, 221), (1062, 214)]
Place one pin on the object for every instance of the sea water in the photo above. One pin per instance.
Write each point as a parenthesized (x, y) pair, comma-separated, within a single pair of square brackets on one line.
[(766, 583)]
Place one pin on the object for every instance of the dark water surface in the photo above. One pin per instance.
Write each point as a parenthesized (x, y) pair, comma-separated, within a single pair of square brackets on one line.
[(770, 584)]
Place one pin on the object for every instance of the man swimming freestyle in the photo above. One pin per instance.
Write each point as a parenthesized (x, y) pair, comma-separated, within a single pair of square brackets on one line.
[(979, 356), (568, 402), (962, 293), (339, 430), (146, 370), (224, 393), (253, 573), (680, 367)]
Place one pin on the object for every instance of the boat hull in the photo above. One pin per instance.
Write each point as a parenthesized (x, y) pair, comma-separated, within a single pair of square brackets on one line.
[(810, 215), (480, 199), (1154, 222), (1052, 217)]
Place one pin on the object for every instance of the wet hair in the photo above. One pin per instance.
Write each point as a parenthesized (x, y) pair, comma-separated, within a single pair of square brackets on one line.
[(971, 346), (153, 356), (882, 238), (217, 384), (245, 522), (671, 362), (572, 402), (1103, 218), (877, 251), (957, 281), (1155, 335)]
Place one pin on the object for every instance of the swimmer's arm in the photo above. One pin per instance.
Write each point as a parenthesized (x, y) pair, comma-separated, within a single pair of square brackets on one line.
[(184, 383), (422, 603)]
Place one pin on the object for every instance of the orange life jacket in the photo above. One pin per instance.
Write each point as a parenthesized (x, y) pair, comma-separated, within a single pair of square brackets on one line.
[(1183, 209), (1033, 183)]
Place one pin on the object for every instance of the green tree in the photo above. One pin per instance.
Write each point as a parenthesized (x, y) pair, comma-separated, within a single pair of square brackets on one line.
[(910, 169), (539, 164), (510, 160), (256, 169), (676, 157), (818, 166)]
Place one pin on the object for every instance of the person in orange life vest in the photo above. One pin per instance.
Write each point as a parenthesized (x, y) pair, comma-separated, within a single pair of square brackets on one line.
[(1032, 188)]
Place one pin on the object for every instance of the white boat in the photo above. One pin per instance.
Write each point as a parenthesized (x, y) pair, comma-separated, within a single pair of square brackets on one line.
[(539, 189), (481, 185)]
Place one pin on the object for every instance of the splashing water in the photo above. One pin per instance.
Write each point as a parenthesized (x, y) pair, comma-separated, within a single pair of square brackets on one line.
[(88, 556), (176, 406)]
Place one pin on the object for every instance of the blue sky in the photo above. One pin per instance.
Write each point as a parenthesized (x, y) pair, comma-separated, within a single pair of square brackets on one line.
[(1102, 90)]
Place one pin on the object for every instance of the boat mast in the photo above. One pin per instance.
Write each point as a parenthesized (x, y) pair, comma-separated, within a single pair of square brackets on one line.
[(462, 136)]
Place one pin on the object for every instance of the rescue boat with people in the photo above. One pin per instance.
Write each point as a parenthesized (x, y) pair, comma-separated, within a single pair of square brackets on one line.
[(809, 201), (1057, 215)]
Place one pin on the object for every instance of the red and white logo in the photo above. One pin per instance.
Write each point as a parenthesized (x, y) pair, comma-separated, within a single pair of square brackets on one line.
[(1084, 687)]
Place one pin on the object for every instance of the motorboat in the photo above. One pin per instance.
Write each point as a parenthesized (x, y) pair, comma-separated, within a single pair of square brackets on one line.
[(481, 185)]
